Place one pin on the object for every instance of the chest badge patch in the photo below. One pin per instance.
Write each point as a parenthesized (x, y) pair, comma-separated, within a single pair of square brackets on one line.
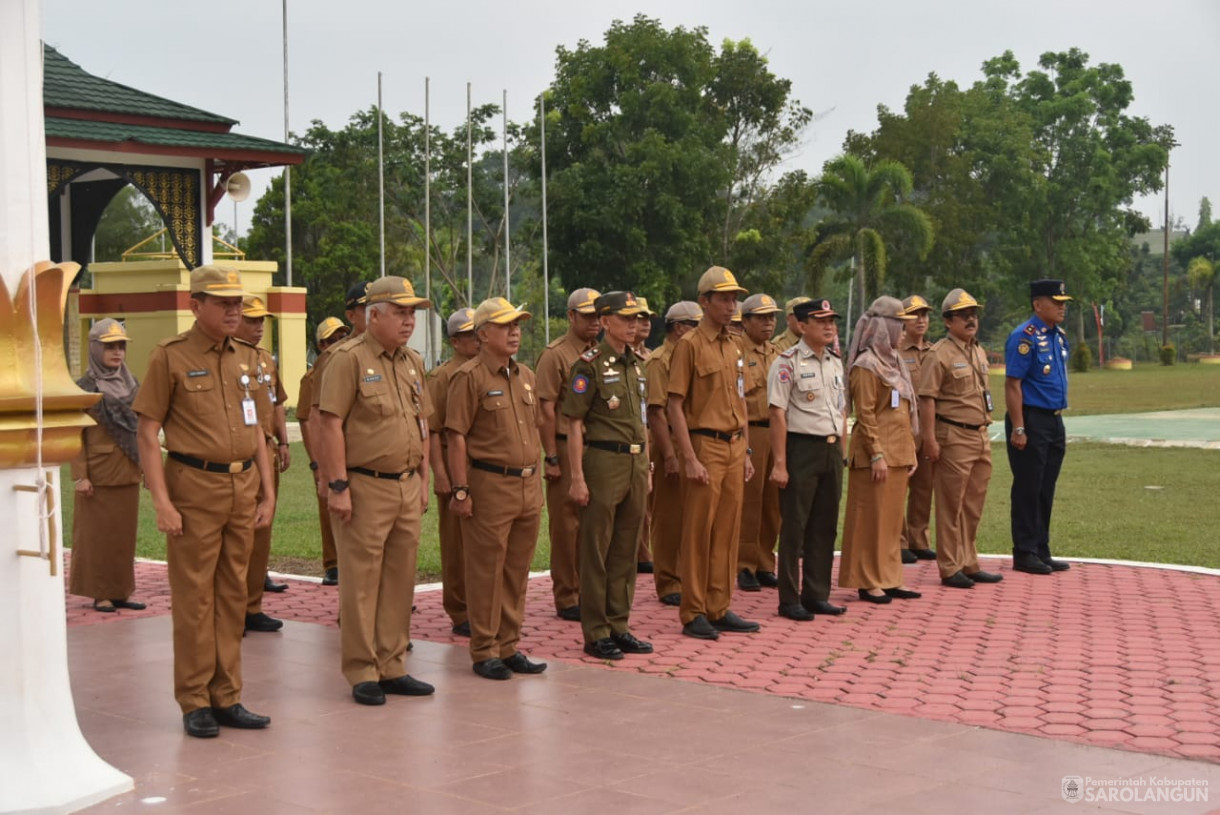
[(613, 402), (580, 383)]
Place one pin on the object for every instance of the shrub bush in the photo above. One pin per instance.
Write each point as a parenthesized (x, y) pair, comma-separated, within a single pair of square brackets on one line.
[(1169, 354), (1082, 358)]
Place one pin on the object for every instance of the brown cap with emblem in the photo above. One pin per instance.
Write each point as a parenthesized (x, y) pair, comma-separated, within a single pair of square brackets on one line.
[(108, 330), (915, 304), (958, 300), (328, 327), (499, 311), (684, 311), (396, 290), (718, 278), (645, 311), (460, 322), (889, 307), (759, 304), (218, 281), (581, 301), (253, 307)]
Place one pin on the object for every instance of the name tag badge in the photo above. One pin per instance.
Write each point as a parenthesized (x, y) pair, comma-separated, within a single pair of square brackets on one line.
[(373, 378), (271, 393), (987, 401), (741, 385), (644, 412), (194, 374), (894, 397), (249, 412)]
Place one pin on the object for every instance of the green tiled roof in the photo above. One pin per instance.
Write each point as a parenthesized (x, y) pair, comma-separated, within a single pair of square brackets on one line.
[(162, 136), (67, 85)]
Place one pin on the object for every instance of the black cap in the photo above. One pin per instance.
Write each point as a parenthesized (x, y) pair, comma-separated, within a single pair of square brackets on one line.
[(1054, 289), (617, 302), (355, 296), (813, 308)]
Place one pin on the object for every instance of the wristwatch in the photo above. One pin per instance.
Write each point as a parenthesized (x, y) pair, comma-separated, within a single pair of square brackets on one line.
[(313, 465), (338, 486), (1018, 431), (552, 460), (460, 494)]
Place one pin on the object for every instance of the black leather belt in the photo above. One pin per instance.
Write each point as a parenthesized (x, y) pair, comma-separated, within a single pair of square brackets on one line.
[(827, 439), (1047, 411), (515, 472), (561, 436), (761, 423), (716, 434), (617, 447), (211, 466), (962, 425), (387, 476)]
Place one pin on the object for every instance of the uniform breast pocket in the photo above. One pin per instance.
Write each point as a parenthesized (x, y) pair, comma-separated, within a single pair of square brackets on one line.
[(756, 378), (709, 370), (810, 389), (378, 398), (201, 395), (497, 410), (960, 382)]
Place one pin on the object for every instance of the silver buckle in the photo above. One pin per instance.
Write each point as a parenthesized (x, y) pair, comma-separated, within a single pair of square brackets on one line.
[(526, 472), (635, 449)]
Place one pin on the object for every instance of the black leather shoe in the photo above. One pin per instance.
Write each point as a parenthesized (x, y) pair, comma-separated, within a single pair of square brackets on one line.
[(958, 580), (643, 567), (1056, 566), (731, 622), (462, 629), (795, 611), (1030, 564), (985, 577), (603, 649), (767, 580), (106, 606), (519, 663), (628, 644), (238, 716), (201, 724), (140, 606), (261, 622), (902, 594), (571, 614), (368, 693), (908, 557), (700, 629), (272, 586), (879, 599), (823, 607), (674, 599), (746, 581), (331, 578), (925, 554), (493, 669), (406, 685)]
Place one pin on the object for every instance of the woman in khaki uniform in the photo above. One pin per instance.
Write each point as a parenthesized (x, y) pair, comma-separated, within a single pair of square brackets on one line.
[(107, 476), (882, 455)]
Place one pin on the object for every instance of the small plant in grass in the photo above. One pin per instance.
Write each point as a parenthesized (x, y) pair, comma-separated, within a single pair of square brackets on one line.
[(1169, 354), (1082, 358)]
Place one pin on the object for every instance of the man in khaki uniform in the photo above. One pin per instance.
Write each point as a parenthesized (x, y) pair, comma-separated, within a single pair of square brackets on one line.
[(760, 506), (460, 329), (643, 329), (792, 335), (954, 411), (707, 412), (606, 405), (912, 349), (374, 410), (199, 389), (666, 497), (330, 331), (270, 396), (492, 423), (563, 519)]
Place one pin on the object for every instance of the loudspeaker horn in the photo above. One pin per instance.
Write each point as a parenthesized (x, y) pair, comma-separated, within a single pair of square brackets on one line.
[(238, 186)]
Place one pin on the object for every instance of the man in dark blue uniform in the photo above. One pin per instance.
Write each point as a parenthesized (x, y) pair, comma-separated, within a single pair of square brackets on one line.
[(1035, 389)]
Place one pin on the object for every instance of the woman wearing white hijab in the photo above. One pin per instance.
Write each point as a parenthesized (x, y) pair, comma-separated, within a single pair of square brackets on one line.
[(107, 476), (882, 455)]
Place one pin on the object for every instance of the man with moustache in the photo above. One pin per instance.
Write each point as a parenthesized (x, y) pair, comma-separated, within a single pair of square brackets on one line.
[(912, 349), (707, 414), (1035, 391), (792, 334), (373, 414), (554, 366), (199, 390), (954, 412)]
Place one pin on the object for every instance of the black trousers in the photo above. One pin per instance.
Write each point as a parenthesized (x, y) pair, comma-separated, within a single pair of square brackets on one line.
[(1035, 471), (809, 518)]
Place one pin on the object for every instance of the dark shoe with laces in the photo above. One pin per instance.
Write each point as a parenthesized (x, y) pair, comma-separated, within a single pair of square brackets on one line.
[(603, 649), (406, 685), (519, 663), (462, 629), (201, 723), (767, 580), (493, 668), (571, 614), (628, 644), (261, 622), (795, 611), (674, 599), (908, 557), (958, 580), (237, 716)]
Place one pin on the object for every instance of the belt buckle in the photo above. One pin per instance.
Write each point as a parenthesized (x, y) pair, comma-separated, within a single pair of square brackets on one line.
[(635, 449), (831, 439), (235, 467), (526, 472)]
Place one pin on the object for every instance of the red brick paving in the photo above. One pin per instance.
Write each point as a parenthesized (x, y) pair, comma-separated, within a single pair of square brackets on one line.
[(1107, 655)]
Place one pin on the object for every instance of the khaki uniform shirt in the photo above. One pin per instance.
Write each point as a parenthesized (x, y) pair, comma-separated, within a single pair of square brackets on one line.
[(380, 397), (912, 355), (438, 391), (193, 388), (881, 427), (786, 340), (657, 373), (642, 352), (810, 389), (955, 375), (758, 365), (103, 462), (554, 368), (269, 393), (497, 411), (609, 393), (708, 370), (305, 393)]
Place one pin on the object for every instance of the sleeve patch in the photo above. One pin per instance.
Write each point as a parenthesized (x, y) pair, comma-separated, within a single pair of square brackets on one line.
[(784, 374), (1023, 348), (580, 383)]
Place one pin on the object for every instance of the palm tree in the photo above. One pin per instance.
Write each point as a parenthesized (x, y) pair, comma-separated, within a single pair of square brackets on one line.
[(1202, 274), (869, 211)]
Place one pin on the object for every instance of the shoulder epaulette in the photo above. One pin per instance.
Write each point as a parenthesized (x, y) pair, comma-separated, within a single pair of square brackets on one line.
[(592, 354), (1029, 329), (788, 352), (468, 365), (243, 342), (172, 340), (558, 341)]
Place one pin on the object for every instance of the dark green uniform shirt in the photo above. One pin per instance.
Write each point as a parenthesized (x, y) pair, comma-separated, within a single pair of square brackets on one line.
[(608, 392)]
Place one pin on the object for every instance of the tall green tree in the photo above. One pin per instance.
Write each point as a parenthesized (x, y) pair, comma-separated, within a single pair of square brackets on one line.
[(128, 219)]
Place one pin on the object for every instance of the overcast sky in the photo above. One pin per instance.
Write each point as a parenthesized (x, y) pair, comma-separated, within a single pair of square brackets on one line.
[(844, 58)]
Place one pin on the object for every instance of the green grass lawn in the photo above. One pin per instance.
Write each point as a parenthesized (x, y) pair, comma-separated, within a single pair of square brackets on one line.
[(1103, 507)]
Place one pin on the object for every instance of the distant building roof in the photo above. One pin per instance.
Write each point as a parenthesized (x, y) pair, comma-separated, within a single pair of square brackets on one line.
[(1156, 239)]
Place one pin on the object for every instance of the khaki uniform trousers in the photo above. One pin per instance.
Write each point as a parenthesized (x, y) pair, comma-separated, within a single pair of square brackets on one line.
[(453, 568), (499, 540), (377, 551), (759, 508), (643, 552), (563, 524), (666, 528), (207, 581), (330, 555), (711, 524), (609, 535), (919, 503), (960, 483), (260, 554)]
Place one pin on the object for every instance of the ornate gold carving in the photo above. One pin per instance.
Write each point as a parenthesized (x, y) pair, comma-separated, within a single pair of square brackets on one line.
[(63, 403), (59, 174), (176, 194)]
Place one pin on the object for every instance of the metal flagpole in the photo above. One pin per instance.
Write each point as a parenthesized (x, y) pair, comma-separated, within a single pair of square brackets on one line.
[(287, 168), (431, 346), (469, 207), (380, 174), (508, 269), (546, 277)]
